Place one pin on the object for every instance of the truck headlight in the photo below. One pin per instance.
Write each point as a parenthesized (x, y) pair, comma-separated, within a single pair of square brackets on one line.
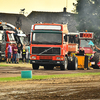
[(58, 58), (33, 57)]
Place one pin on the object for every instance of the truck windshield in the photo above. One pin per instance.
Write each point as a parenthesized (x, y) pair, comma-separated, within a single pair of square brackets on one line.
[(84, 43), (47, 38), (11, 37)]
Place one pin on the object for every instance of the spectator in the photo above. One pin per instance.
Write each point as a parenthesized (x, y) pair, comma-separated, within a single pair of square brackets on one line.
[(15, 49), (81, 51), (19, 52), (28, 50), (24, 54), (9, 49)]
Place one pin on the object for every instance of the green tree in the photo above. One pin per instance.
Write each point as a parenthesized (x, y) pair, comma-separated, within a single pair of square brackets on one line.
[(88, 16)]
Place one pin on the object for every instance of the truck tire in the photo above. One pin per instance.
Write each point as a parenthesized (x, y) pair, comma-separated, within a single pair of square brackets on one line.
[(73, 65), (48, 67), (35, 66), (65, 64), (96, 60), (69, 65)]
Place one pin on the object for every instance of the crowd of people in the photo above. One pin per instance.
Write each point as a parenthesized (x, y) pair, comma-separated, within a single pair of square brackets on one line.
[(15, 52)]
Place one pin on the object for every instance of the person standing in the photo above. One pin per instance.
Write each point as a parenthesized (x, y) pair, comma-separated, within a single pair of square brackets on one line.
[(24, 54), (81, 51), (9, 49), (28, 50), (15, 49), (19, 52)]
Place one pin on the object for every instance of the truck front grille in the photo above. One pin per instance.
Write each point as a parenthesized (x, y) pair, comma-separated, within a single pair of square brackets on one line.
[(46, 57), (46, 50)]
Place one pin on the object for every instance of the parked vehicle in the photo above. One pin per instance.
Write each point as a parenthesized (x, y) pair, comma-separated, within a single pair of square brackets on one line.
[(49, 46), (85, 39), (8, 34)]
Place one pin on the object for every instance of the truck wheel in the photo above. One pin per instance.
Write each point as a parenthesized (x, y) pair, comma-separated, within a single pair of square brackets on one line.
[(69, 65), (48, 67), (35, 66), (96, 60), (74, 64), (64, 66)]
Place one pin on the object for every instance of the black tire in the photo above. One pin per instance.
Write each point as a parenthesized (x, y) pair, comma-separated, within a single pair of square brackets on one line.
[(35, 66), (75, 64), (69, 65), (65, 64), (96, 60), (48, 67)]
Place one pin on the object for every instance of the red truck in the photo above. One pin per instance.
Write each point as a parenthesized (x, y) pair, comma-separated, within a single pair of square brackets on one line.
[(6, 36), (49, 47), (9, 34)]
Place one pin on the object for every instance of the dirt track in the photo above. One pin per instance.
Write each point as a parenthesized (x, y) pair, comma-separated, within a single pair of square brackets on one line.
[(15, 70), (78, 88)]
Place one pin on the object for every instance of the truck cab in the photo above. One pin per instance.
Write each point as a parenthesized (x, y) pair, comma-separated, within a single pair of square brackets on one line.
[(48, 47), (85, 39)]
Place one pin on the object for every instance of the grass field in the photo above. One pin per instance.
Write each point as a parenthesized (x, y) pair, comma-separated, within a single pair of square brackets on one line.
[(39, 77)]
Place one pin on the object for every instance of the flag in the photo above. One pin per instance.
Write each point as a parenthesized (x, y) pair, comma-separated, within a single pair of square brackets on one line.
[(91, 43)]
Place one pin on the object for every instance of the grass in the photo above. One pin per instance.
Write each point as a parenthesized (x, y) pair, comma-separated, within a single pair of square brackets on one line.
[(3, 65), (39, 77)]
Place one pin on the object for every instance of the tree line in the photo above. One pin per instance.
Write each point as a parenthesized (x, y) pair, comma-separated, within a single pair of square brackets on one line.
[(88, 17)]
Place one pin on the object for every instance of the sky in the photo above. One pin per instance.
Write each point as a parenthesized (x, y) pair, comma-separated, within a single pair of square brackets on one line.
[(14, 6)]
